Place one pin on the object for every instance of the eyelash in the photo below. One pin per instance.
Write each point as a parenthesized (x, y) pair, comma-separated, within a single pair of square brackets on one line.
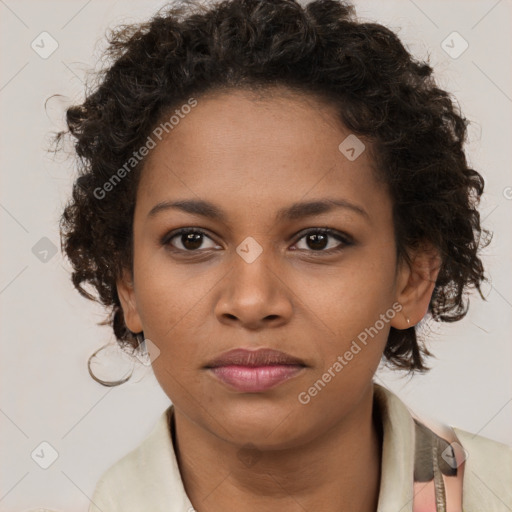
[(345, 239)]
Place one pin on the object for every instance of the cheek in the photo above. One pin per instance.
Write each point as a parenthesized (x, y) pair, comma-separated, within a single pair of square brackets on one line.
[(358, 310), (168, 295), (354, 296)]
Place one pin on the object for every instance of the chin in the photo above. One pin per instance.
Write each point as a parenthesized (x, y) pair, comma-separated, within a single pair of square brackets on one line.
[(266, 426)]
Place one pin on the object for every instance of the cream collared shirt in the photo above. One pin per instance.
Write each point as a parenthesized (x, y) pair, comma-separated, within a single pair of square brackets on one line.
[(148, 478)]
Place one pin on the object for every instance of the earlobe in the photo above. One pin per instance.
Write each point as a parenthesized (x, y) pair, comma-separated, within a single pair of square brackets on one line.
[(126, 292), (415, 284)]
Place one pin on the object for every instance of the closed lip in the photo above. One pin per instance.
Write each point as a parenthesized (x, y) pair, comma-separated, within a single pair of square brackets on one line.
[(254, 358)]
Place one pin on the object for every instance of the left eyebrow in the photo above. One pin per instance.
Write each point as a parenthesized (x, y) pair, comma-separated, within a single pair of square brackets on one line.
[(317, 207), (293, 212)]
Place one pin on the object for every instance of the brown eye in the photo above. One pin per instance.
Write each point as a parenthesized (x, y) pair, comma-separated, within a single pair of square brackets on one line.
[(188, 240), (317, 240)]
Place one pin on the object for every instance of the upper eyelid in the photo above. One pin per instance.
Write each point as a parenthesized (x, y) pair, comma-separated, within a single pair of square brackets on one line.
[(329, 231)]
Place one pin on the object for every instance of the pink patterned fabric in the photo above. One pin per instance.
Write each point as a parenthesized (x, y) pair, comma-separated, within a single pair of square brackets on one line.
[(438, 469)]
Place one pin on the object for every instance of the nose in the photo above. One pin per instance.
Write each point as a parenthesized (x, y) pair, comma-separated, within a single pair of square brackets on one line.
[(254, 296)]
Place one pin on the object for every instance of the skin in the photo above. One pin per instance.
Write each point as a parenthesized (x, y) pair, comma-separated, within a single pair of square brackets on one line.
[(252, 156)]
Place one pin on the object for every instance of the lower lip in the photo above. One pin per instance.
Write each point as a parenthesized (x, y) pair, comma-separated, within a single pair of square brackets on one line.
[(254, 379)]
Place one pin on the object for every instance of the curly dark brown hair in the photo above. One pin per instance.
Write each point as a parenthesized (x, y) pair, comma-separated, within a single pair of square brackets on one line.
[(380, 92)]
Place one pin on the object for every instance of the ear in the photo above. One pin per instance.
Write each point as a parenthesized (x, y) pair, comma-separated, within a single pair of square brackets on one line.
[(126, 292), (416, 280)]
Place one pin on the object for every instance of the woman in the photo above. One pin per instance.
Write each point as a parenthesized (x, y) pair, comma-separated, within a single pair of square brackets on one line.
[(271, 197)]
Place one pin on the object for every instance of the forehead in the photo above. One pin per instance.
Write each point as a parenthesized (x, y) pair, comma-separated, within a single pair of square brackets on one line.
[(245, 123), (278, 147)]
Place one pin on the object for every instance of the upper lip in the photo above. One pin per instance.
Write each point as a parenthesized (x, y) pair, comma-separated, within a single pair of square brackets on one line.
[(260, 357)]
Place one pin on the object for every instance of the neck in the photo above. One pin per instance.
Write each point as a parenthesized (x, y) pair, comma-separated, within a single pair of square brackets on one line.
[(342, 466)]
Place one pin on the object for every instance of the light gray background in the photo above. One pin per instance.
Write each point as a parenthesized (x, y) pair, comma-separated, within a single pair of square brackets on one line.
[(48, 331)]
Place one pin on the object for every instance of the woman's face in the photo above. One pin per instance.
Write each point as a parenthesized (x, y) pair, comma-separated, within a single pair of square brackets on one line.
[(260, 274)]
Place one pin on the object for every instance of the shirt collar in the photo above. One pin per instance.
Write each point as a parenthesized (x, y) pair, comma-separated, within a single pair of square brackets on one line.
[(397, 468)]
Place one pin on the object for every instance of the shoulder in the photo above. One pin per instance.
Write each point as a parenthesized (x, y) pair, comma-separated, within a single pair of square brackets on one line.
[(146, 476), (487, 473)]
